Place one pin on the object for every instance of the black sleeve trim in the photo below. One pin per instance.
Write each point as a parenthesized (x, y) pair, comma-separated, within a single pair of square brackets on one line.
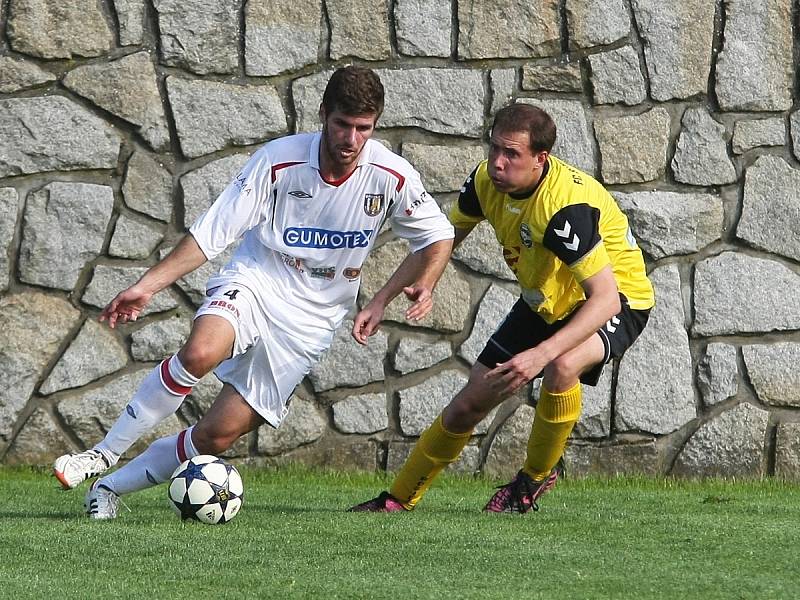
[(468, 198), (573, 232)]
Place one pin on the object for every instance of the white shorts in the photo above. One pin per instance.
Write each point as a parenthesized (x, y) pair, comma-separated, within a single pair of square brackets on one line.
[(267, 363)]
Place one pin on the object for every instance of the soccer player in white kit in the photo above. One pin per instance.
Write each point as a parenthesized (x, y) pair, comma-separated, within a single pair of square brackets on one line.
[(307, 209)]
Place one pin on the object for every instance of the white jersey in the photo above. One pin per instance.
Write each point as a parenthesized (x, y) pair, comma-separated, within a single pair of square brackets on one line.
[(306, 239)]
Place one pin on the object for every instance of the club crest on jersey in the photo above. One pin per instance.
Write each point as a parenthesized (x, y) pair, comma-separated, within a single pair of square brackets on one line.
[(373, 204), (525, 235), (351, 273)]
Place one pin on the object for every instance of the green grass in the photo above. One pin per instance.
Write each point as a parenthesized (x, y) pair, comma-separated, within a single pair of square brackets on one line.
[(624, 538)]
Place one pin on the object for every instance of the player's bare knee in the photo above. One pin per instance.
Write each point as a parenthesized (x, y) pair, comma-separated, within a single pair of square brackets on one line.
[(456, 417), (198, 359), (561, 373), (213, 445), (464, 412), (207, 441)]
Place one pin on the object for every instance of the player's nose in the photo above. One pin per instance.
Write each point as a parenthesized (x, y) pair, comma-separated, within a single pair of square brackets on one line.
[(351, 135)]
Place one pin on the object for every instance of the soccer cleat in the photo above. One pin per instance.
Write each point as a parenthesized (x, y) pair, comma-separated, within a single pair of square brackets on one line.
[(101, 503), (384, 503), (522, 493), (73, 469)]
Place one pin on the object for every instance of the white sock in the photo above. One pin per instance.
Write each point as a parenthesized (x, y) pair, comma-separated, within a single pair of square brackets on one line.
[(153, 466), (158, 396)]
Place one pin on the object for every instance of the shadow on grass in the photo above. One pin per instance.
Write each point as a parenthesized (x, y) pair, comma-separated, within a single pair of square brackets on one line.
[(52, 516), (292, 508)]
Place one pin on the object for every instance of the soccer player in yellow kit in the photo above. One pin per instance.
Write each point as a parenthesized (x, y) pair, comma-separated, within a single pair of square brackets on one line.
[(585, 298)]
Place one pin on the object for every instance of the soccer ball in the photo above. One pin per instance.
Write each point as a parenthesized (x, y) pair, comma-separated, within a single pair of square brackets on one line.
[(206, 489)]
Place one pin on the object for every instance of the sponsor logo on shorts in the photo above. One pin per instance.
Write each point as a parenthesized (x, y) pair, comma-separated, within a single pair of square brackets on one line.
[(323, 272), (525, 235), (373, 204), (309, 237), (423, 198), (351, 273), (225, 306)]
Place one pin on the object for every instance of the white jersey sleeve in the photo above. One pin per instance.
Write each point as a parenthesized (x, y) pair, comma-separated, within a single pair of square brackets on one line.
[(239, 208), (415, 216)]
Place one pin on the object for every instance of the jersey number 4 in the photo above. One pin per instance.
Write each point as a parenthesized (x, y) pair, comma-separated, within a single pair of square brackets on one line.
[(231, 294)]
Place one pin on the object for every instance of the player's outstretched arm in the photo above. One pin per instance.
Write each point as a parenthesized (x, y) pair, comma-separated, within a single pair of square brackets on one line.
[(417, 277), (129, 303)]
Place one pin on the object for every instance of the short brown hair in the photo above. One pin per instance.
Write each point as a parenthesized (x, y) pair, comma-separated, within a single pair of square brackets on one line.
[(537, 123), (354, 91)]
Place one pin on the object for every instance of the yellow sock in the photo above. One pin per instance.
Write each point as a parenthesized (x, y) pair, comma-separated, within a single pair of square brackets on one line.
[(556, 415), (435, 449)]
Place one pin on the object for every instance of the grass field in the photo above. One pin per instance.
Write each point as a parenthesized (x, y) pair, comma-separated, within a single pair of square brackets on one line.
[(624, 538)]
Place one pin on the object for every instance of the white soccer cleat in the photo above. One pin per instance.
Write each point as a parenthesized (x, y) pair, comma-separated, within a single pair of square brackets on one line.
[(101, 503), (74, 469)]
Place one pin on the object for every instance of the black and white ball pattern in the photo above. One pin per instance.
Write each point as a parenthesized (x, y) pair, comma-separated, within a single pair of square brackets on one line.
[(206, 489)]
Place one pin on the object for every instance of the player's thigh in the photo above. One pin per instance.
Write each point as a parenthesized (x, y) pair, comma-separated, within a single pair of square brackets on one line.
[(229, 418), (616, 336), (225, 325), (563, 372)]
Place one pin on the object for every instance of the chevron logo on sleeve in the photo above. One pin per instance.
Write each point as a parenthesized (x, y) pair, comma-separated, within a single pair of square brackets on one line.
[(564, 233)]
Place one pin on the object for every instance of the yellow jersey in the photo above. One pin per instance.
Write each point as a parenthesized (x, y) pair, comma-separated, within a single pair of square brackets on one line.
[(565, 231)]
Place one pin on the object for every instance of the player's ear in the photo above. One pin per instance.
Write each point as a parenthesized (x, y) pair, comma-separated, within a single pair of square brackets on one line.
[(541, 158), (322, 113)]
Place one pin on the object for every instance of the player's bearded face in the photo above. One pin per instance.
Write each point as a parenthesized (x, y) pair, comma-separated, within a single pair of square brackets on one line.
[(512, 167), (344, 136)]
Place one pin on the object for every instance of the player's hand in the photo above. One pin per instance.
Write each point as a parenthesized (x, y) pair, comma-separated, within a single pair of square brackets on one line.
[(126, 306), (367, 322), (507, 377), (421, 301)]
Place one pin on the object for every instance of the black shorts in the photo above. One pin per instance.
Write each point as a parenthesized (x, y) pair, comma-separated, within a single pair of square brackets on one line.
[(523, 329)]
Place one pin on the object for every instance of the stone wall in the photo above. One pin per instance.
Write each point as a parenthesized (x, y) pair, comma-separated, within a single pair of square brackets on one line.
[(120, 121)]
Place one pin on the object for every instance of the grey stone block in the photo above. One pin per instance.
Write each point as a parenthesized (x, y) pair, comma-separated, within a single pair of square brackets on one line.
[(730, 445), (53, 133), (64, 228), (660, 357), (678, 41)]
